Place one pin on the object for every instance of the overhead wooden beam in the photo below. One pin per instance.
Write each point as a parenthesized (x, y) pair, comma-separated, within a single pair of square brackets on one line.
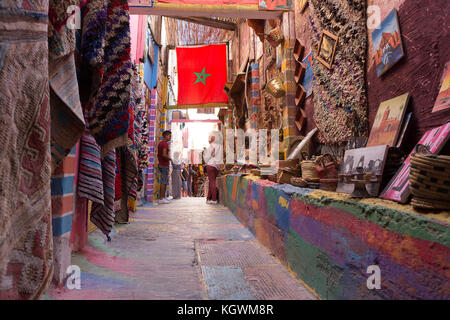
[(215, 23), (222, 11)]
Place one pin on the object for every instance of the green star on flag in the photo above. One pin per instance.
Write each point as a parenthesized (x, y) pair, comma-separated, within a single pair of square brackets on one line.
[(201, 76)]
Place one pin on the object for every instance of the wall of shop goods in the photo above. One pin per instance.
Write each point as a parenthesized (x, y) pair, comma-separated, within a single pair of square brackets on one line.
[(328, 240), (426, 43)]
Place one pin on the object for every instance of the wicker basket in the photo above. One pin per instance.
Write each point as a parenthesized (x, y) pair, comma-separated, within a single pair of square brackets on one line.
[(429, 179), (275, 37), (309, 172), (298, 182), (276, 87)]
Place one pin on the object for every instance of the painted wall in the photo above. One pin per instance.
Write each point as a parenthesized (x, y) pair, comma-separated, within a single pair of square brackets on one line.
[(62, 188), (328, 240)]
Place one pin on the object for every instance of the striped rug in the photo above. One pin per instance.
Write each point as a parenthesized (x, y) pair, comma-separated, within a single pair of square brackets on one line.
[(90, 181), (103, 215)]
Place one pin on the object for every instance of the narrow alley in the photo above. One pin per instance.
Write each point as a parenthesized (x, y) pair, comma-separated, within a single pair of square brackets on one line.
[(209, 150), (182, 250)]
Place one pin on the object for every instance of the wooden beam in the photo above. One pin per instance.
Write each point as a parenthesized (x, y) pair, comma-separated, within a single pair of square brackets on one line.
[(209, 22), (208, 11)]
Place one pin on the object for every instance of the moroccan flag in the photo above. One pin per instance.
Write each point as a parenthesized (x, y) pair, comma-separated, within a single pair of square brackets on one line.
[(202, 74)]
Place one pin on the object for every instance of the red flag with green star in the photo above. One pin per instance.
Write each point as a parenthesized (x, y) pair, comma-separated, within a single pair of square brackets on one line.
[(202, 74)]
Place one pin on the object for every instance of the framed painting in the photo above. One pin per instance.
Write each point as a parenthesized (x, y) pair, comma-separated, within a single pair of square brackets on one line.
[(387, 43), (398, 188), (327, 49), (388, 121), (443, 99), (372, 159)]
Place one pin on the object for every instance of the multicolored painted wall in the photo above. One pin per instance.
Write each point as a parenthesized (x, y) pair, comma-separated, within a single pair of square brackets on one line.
[(329, 240)]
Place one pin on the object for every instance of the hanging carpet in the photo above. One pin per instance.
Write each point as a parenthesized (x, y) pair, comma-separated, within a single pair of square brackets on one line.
[(340, 95), (107, 116), (26, 247)]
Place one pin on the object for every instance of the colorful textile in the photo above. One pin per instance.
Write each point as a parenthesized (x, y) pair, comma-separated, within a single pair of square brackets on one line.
[(26, 247), (107, 111), (66, 113), (202, 74), (90, 176), (93, 32), (102, 215), (340, 96)]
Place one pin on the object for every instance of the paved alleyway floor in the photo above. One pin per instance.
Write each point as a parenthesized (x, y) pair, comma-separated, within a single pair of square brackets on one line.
[(182, 250)]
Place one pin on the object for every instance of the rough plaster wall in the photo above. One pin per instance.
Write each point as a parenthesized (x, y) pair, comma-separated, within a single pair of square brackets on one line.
[(62, 257), (426, 40)]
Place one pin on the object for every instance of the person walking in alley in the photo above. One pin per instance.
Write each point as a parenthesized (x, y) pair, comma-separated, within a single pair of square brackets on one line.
[(176, 176), (184, 179), (213, 157), (164, 165)]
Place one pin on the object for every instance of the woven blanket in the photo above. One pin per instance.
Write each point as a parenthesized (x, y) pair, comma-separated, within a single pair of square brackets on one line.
[(26, 256), (93, 32), (102, 215), (107, 114), (90, 176), (66, 113), (340, 97)]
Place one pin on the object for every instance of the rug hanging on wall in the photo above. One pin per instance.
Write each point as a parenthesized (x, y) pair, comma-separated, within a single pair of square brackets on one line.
[(102, 214), (107, 110), (340, 95), (26, 249), (66, 112)]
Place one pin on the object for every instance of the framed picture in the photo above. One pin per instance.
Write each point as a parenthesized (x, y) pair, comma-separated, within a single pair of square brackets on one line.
[(387, 43), (372, 159), (398, 188), (443, 99), (388, 121), (302, 5), (327, 48)]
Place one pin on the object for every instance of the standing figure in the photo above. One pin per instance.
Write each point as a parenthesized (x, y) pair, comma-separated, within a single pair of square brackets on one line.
[(184, 179), (213, 157), (176, 177), (164, 165)]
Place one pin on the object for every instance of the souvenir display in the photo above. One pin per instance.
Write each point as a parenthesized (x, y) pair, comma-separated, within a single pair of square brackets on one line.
[(398, 187)]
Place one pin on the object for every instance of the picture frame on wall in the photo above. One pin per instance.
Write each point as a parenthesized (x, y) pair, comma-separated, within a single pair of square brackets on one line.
[(387, 43), (327, 48)]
